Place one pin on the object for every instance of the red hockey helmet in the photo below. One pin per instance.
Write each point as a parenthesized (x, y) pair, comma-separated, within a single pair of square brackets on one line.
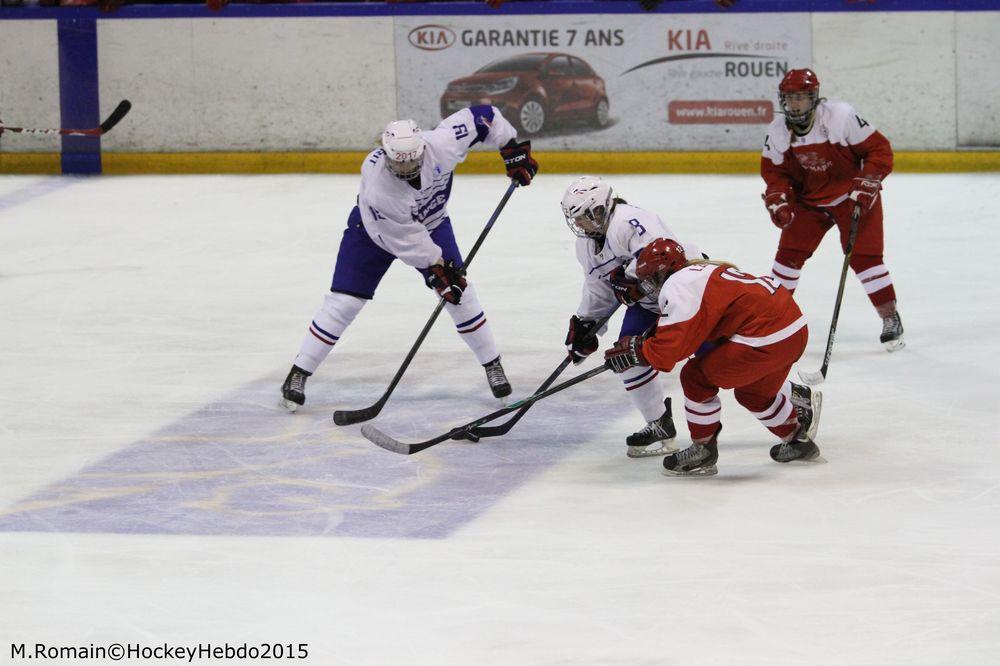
[(799, 80), (658, 261), (799, 85)]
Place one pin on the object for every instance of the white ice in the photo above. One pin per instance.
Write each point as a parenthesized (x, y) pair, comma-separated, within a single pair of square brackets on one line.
[(152, 492)]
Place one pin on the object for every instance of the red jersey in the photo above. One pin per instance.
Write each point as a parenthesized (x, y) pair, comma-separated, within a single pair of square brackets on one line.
[(817, 169), (705, 302)]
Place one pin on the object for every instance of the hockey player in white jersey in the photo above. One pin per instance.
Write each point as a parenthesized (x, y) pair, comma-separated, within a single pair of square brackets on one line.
[(401, 213), (611, 233)]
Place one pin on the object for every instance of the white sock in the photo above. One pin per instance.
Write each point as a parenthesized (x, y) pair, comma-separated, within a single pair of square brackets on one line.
[(644, 390), (473, 328)]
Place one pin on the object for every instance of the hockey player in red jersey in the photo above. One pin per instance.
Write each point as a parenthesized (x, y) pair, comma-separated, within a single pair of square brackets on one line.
[(745, 332), (820, 161)]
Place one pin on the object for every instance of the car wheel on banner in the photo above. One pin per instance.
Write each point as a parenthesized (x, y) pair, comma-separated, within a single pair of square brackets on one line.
[(602, 113), (531, 117)]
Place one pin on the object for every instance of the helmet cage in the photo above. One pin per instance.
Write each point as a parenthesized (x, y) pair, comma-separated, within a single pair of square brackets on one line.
[(591, 223), (799, 82), (407, 167), (799, 117)]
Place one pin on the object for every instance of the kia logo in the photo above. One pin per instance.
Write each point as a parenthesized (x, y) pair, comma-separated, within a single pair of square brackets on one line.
[(432, 37)]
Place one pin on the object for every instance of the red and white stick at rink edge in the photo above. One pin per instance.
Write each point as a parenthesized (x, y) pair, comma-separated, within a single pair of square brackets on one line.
[(123, 108)]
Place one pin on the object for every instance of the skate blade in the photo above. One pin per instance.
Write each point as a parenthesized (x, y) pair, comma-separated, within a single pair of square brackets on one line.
[(894, 345), (818, 458), (640, 452), (710, 470), (288, 405)]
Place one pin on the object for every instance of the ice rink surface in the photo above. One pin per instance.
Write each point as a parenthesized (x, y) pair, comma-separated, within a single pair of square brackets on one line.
[(151, 490)]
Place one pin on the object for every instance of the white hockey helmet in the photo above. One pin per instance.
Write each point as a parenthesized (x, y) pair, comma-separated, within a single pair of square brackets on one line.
[(588, 205), (404, 148)]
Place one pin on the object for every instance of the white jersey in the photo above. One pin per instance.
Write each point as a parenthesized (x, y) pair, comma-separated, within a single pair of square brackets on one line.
[(397, 217), (630, 230)]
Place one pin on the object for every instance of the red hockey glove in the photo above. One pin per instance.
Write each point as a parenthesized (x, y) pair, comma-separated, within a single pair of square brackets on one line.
[(521, 166), (494, 4), (581, 339), (780, 209), (626, 288), (627, 353), (725, 4), (864, 191), (448, 280)]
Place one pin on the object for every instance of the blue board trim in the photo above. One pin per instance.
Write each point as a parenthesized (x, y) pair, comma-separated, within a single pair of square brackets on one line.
[(79, 103), (307, 10)]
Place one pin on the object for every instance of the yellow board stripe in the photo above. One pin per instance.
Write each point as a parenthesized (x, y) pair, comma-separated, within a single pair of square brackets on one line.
[(478, 162)]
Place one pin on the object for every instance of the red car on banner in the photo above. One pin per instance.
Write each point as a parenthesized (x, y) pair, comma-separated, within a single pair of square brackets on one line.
[(534, 91)]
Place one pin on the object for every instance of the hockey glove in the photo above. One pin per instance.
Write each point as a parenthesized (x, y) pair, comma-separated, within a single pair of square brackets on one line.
[(864, 191), (780, 209), (494, 4), (627, 353), (521, 166), (581, 340), (626, 288), (447, 279)]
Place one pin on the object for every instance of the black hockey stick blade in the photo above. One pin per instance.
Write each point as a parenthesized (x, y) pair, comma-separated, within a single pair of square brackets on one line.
[(343, 417), (376, 436), (123, 108)]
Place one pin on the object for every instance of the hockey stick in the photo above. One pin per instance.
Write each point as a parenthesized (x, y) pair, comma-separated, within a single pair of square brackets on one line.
[(378, 437), (351, 416), (123, 108), (818, 377), (475, 434)]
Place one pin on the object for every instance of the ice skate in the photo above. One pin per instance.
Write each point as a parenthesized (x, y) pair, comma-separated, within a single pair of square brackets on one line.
[(799, 448), (655, 439), (807, 403), (892, 333), (497, 379), (293, 391), (696, 460)]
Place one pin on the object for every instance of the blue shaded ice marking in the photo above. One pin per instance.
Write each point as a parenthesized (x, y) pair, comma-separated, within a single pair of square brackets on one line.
[(242, 466)]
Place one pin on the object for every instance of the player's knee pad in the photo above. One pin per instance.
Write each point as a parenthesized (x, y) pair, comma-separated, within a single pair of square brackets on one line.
[(794, 259), (340, 309), (864, 262), (694, 383)]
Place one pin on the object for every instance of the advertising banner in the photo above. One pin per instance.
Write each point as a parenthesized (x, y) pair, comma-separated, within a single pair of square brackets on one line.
[(605, 82)]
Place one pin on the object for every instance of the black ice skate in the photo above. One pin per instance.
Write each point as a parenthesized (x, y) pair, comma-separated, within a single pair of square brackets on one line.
[(293, 391), (695, 460), (497, 379), (892, 333), (807, 403), (800, 448), (661, 431)]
